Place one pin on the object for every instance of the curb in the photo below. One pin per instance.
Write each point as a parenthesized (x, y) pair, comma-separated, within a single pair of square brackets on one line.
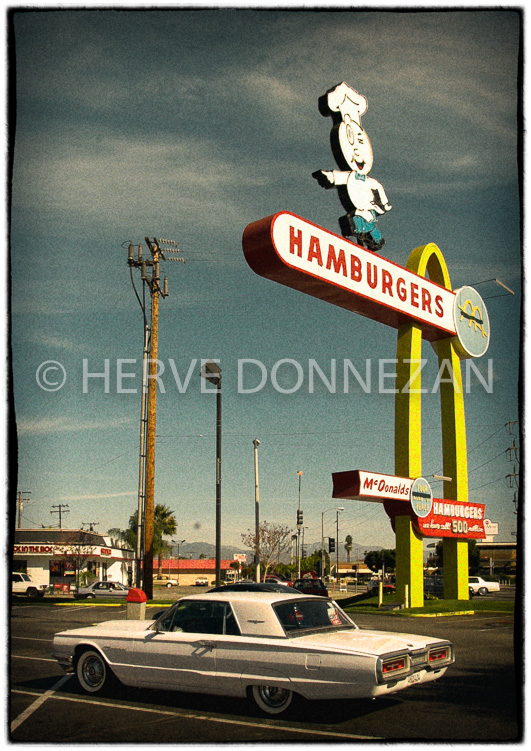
[(440, 615)]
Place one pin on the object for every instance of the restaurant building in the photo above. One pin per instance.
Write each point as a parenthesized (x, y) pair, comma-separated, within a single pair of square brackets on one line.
[(55, 556)]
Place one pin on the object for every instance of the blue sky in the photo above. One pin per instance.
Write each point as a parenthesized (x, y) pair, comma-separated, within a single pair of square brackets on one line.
[(190, 124)]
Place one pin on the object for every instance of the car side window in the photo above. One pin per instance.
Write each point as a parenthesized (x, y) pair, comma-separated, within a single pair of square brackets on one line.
[(200, 618)]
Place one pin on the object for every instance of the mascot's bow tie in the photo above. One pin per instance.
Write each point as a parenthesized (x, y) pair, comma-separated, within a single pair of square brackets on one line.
[(359, 176)]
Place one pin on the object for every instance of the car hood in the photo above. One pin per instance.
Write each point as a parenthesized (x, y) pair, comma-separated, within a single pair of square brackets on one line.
[(365, 641)]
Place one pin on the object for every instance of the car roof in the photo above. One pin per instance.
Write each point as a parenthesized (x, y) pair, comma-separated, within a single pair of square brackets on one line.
[(246, 596)]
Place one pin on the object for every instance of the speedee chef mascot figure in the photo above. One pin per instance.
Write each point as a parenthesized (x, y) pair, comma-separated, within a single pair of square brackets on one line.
[(362, 196)]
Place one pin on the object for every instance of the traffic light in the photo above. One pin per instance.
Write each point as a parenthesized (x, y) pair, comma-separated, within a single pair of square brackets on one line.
[(331, 544), (299, 517)]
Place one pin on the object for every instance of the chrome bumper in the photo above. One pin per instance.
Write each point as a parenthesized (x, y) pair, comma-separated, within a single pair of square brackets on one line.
[(65, 661)]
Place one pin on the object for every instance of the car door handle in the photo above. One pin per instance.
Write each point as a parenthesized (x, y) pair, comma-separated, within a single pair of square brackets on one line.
[(209, 644)]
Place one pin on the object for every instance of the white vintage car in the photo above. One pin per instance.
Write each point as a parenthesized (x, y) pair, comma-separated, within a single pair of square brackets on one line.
[(268, 645), (479, 586)]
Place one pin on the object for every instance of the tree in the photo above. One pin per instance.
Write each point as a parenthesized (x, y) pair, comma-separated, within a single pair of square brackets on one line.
[(348, 546), (376, 559), (164, 523), (78, 549), (272, 540), (436, 558)]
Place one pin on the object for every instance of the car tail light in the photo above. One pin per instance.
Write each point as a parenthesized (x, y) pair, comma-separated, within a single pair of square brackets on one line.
[(391, 666), (440, 654)]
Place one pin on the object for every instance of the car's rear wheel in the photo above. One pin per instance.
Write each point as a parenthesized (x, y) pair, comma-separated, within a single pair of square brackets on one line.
[(92, 671), (482, 591), (168, 585), (271, 699)]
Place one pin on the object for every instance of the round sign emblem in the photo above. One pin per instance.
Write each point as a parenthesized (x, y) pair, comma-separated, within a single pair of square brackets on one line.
[(471, 323), (421, 497)]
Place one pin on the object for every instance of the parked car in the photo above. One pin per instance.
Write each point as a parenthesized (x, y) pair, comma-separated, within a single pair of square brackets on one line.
[(434, 585), (102, 589), (481, 587), (165, 581), (250, 586), (201, 581), (21, 584), (311, 587), (388, 587), (268, 645), (280, 578)]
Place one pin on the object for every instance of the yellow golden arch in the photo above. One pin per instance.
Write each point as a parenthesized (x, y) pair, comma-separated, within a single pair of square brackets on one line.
[(428, 260)]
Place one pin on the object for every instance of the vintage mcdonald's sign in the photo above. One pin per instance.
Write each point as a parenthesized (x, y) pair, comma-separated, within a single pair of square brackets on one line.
[(431, 517), (292, 251)]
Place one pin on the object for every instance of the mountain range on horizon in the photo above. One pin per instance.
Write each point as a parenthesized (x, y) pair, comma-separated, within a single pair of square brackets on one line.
[(206, 549)]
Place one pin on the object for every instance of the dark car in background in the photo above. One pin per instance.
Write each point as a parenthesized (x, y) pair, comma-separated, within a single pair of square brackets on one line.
[(250, 586), (311, 587)]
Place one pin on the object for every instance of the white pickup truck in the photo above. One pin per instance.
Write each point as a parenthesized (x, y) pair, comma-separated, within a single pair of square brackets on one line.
[(21, 584), (479, 586)]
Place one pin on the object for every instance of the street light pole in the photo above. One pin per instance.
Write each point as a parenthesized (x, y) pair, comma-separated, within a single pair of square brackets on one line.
[(339, 508), (178, 543), (299, 525), (256, 443), (337, 544), (211, 372)]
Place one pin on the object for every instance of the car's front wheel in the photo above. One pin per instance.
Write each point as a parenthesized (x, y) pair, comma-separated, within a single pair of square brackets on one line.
[(271, 699), (92, 671), (168, 585)]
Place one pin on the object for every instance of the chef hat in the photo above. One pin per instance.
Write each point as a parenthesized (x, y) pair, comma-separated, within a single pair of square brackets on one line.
[(344, 99)]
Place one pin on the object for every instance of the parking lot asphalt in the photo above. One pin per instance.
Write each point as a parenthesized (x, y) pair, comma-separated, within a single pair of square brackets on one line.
[(478, 700)]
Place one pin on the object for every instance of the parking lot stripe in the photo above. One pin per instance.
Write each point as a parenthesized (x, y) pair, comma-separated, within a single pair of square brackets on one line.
[(37, 703), (189, 716)]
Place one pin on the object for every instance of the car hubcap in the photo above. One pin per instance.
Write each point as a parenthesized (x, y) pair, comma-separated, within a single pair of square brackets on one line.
[(93, 672), (274, 697)]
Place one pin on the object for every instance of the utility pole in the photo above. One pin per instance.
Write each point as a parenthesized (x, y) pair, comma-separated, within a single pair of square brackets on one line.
[(60, 507), (513, 456), (146, 493), (20, 505)]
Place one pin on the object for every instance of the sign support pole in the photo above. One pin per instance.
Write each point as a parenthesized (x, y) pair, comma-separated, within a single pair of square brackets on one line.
[(455, 551), (408, 461)]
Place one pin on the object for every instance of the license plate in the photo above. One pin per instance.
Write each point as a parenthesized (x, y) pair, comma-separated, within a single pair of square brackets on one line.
[(415, 678)]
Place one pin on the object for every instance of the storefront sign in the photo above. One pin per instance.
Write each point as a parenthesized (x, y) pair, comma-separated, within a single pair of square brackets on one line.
[(34, 549), (292, 251), (491, 528)]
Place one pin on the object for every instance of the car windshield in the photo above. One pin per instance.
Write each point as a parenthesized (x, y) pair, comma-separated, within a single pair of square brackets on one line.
[(302, 616)]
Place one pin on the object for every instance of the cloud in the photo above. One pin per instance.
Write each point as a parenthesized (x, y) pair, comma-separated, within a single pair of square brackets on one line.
[(96, 496), (66, 424)]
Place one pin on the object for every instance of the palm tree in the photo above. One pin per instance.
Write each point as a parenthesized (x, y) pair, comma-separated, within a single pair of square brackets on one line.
[(348, 546), (164, 523)]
